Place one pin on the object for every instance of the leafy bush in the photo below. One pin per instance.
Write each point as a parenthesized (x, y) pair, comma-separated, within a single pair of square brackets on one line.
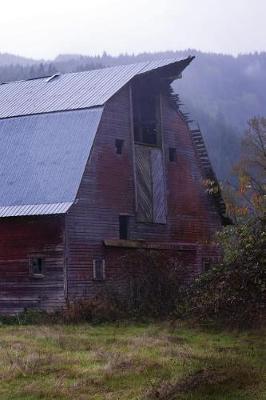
[(234, 291)]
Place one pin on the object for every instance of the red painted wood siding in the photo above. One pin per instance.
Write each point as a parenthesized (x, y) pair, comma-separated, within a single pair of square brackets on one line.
[(108, 189), (21, 237)]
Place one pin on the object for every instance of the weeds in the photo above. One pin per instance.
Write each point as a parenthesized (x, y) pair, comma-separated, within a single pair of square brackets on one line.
[(19, 361), (129, 362)]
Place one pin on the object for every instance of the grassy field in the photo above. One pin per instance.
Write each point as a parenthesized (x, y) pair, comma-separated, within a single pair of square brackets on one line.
[(134, 361)]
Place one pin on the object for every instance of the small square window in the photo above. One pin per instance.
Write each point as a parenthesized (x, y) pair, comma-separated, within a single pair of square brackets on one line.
[(172, 154), (119, 146), (37, 266), (206, 264), (99, 269)]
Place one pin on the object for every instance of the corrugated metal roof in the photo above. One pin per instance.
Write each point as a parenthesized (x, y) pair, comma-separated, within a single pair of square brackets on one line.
[(74, 90), (43, 158), (35, 209)]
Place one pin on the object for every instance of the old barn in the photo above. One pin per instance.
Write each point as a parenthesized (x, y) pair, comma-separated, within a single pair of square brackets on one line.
[(94, 165)]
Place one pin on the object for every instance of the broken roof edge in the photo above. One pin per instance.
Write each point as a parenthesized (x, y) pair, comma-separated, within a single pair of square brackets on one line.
[(166, 65)]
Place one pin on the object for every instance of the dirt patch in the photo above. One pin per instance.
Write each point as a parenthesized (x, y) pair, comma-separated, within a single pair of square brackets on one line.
[(199, 380)]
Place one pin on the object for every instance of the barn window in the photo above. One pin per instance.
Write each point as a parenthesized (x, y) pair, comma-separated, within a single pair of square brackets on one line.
[(206, 264), (172, 154), (123, 227), (99, 269), (37, 266), (119, 146), (146, 108)]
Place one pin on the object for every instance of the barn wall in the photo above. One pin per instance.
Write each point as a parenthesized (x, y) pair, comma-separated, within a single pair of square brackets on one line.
[(107, 190), (21, 237)]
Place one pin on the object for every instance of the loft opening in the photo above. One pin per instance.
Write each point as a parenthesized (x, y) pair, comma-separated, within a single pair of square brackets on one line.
[(146, 111), (123, 227)]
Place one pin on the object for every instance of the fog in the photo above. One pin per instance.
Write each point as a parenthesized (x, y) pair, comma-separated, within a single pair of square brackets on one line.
[(45, 29)]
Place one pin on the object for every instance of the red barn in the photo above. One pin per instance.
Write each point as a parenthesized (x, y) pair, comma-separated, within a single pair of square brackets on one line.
[(93, 165)]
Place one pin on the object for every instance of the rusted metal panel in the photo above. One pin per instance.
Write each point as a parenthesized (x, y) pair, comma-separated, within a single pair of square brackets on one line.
[(74, 90), (43, 158), (144, 184), (158, 186)]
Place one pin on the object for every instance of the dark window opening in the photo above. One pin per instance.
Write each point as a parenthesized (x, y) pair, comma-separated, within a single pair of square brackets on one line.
[(172, 154), (37, 266), (206, 264), (99, 269), (119, 146), (123, 227), (146, 111)]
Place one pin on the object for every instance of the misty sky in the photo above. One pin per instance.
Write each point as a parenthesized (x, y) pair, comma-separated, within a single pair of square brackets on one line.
[(44, 29)]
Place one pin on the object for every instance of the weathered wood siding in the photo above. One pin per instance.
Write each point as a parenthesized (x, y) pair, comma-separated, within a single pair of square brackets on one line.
[(20, 238), (150, 184), (108, 190)]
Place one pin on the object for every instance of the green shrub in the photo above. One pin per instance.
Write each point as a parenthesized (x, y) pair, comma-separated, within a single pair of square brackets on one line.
[(234, 291)]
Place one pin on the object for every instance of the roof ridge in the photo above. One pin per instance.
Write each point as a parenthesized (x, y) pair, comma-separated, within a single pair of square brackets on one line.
[(76, 90), (75, 73), (144, 63)]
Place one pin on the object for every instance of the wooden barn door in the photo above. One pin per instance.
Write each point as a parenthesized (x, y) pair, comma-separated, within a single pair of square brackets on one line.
[(150, 185)]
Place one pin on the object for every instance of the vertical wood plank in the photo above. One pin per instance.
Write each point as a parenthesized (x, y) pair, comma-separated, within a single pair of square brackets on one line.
[(158, 186), (144, 184)]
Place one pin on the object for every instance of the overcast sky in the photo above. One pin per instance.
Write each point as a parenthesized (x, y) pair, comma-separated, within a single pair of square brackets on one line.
[(44, 29)]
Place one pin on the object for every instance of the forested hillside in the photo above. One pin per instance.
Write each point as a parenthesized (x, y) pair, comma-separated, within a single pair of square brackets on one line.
[(220, 92)]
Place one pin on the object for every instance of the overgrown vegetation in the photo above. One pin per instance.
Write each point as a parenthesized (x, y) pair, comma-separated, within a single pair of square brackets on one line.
[(235, 291), (130, 361), (155, 282)]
